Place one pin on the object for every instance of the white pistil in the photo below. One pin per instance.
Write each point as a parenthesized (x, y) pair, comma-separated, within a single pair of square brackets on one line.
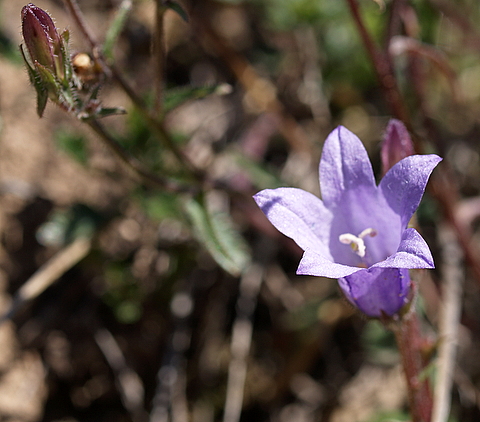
[(356, 242)]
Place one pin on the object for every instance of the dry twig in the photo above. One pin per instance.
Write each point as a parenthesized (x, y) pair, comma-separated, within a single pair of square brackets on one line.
[(453, 276)]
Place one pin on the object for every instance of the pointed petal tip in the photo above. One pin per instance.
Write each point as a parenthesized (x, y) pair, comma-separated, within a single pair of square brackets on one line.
[(321, 265), (413, 253)]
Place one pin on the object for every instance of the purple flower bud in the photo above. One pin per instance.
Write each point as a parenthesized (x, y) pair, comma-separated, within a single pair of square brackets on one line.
[(397, 144), (43, 43)]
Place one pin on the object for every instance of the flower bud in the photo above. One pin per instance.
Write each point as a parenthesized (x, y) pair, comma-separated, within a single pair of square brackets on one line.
[(43, 43), (47, 59), (51, 70), (396, 145)]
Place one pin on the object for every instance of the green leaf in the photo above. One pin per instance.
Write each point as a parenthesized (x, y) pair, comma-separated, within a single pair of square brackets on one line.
[(116, 28), (218, 234), (176, 8), (108, 111)]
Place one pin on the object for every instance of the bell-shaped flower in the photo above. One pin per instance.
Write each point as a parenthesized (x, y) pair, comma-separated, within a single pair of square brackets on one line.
[(358, 231)]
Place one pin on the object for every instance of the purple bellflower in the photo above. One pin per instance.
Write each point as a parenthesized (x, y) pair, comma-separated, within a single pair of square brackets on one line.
[(358, 231)]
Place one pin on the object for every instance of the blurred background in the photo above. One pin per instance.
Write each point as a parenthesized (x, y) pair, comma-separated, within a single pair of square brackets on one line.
[(150, 305)]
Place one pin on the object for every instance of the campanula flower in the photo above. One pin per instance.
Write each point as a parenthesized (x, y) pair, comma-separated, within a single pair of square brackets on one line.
[(358, 231)]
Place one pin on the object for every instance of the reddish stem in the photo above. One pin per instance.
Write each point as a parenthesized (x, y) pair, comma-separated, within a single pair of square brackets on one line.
[(382, 66), (409, 341)]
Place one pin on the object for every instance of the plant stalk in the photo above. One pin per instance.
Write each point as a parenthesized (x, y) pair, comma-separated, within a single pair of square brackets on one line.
[(155, 124), (409, 342), (136, 167), (159, 57), (382, 66)]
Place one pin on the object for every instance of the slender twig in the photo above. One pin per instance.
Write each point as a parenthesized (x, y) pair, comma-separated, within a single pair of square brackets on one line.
[(452, 292), (48, 273), (241, 340), (135, 166), (74, 10), (261, 91), (169, 403), (394, 22), (159, 56), (382, 67), (153, 122), (458, 14), (128, 382)]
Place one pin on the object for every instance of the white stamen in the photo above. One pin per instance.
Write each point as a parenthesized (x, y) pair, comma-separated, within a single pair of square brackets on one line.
[(368, 232), (356, 242)]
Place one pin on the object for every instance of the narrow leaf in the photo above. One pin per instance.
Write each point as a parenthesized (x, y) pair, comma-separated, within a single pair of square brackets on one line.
[(116, 27), (112, 111)]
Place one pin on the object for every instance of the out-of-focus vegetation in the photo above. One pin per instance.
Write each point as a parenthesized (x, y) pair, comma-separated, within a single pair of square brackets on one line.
[(181, 290)]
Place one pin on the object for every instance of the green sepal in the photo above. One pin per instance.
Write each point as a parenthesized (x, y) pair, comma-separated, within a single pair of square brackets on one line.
[(50, 82), (65, 37), (63, 96), (36, 81)]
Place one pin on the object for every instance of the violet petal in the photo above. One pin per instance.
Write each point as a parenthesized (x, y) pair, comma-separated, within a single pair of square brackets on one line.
[(377, 289), (298, 215), (405, 182), (344, 165), (313, 263), (413, 252)]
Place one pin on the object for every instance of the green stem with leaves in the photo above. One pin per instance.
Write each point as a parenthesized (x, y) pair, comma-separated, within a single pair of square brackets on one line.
[(153, 121)]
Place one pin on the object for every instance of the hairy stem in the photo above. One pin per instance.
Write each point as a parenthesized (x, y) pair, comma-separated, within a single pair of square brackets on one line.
[(409, 341), (382, 67), (153, 122)]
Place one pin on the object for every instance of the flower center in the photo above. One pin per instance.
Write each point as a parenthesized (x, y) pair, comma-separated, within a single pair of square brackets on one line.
[(356, 242)]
